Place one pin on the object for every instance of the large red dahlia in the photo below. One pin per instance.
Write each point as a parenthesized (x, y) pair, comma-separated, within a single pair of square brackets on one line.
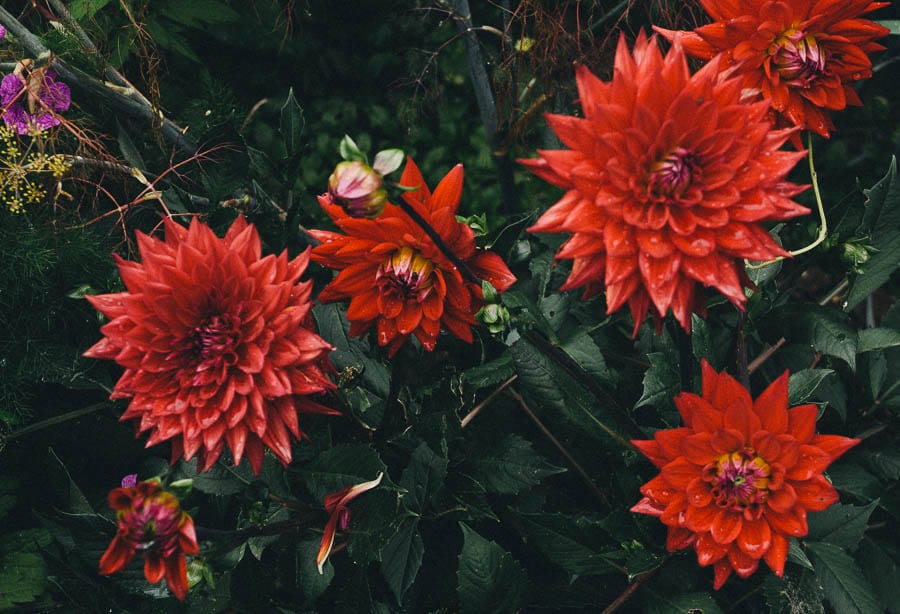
[(737, 480), (668, 179), (217, 344), (394, 274), (803, 55)]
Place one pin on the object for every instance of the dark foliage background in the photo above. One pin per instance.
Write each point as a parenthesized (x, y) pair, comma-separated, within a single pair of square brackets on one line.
[(490, 516)]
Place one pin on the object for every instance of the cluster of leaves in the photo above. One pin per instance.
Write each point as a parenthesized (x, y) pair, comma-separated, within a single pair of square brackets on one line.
[(507, 473)]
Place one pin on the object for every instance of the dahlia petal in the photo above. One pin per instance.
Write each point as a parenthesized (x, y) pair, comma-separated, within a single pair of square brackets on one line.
[(671, 442), (833, 445), (802, 422), (647, 506), (812, 461), (777, 554), (721, 570), (743, 564), (154, 568), (771, 406), (700, 519), (815, 494), (755, 538), (727, 440), (708, 550), (726, 526), (679, 473), (176, 576), (652, 450), (116, 557), (783, 499), (679, 539), (697, 448), (791, 523), (697, 412), (698, 493)]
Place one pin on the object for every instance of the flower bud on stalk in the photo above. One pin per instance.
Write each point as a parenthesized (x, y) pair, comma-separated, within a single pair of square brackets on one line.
[(358, 189)]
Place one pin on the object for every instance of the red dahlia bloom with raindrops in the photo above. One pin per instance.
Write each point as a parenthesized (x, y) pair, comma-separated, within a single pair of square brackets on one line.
[(217, 343), (669, 178), (397, 279), (151, 522), (737, 480), (802, 55)]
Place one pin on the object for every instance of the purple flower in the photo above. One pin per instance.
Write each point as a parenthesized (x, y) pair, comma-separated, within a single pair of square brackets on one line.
[(129, 481), (51, 97), (2, 32)]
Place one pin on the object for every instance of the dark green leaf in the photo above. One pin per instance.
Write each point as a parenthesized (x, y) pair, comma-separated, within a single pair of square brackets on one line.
[(877, 339), (129, 150), (350, 353), (655, 603), (584, 351), (423, 477), (841, 525), (376, 515), (489, 578), (219, 480), (401, 558), (76, 502), (490, 373), (883, 572), (797, 555), (802, 384), (508, 466), (882, 223), (8, 487), (341, 466), (794, 593), (26, 540), (884, 463), (852, 478), (291, 124), (662, 380), (845, 586), (198, 13), (825, 330), (23, 577), (311, 582), (572, 542)]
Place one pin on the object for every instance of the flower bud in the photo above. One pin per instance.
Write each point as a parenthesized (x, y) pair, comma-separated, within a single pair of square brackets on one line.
[(358, 189)]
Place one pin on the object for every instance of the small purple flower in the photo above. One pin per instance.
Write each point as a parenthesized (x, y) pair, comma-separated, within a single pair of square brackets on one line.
[(53, 96), (2, 32), (129, 481)]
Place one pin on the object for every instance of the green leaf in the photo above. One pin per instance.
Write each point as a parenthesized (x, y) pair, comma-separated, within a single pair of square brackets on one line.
[(584, 351), (850, 477), (388, 160), (311, 582), (825, 330), (349, 150), (841, 525), (793, 594), (198, 13), (8, 485), (891, 24), (508, 466), (877, 339), (76, 502), (797, 555), (845, 586), (26, 540), (655, 603), (490, 373), (376, 516), (572, 542), (802, 384), (882, 222), (401, 558), (23, 576), (341, 466), (291, 124), (662, 380), (86, 8), (219, 480), (350, 353), (423, 477), (884, 463), (489, 578), (129, 149), (883, 572)]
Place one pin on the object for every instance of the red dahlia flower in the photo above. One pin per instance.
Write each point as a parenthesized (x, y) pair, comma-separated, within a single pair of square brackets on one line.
[(737, 480), (668, 179), (803, 55), (394, 274), (151, 522), (217, 344)]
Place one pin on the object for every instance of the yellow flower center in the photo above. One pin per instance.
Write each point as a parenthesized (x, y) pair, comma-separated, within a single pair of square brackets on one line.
[(738, 480), (407, 272)]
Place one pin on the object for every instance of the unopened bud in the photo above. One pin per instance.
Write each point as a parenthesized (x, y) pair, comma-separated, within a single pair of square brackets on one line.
[(358, 189)]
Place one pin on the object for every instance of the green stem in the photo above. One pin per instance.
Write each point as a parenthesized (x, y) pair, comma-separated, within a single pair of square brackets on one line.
[(37, 426)]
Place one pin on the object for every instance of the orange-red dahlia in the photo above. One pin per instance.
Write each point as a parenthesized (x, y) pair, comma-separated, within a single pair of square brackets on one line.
[(736, 481), (151, 522), (803, 55), (394, 274), (668, 178), (217, 344)]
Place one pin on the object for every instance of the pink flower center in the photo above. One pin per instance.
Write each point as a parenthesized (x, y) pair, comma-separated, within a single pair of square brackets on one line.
[(798, 57), (214, 340), (672, 175), (739, 480), (151, 525), (408, 273)]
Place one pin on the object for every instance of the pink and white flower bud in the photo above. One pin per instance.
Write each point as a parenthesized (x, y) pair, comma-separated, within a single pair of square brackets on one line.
[(358, 189)]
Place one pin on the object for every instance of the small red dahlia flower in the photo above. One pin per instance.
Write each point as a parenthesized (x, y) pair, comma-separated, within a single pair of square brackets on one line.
[(737, 480), (151, 522), (668, 179), (394, 274), (216, 342), (803, 55)]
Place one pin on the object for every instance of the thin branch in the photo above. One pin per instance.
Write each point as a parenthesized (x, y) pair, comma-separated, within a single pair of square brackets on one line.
[(471, 415), (37, 426), (562, 449), (628, 592)]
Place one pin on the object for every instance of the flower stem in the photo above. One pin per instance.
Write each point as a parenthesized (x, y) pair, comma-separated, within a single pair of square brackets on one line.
[(434, 236), (562, 449), (471, 415), (37, 426), (823, 222)]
